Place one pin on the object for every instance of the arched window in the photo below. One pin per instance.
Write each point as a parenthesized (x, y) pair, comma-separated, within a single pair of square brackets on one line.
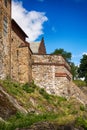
[(5, 26), (5, 2)]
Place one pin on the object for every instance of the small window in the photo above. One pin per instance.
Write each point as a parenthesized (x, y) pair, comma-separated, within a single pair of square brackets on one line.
[(5, 26), (5, 2)]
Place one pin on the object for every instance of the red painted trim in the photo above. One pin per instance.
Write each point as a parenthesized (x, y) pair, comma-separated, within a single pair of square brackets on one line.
[(63, 75)]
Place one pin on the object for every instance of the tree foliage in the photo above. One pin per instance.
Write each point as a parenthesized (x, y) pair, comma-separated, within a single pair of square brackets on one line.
[(74, 70), (82, 70), (66, 55)]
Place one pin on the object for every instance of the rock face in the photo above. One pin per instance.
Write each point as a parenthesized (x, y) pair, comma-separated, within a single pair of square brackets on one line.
[(8, 105), (69, 90), (50, 126)]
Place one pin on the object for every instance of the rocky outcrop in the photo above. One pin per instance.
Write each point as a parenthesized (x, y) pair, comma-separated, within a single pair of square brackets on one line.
[(51, 126), (84, 89), (8, 105), (78, 93), (69, 90)]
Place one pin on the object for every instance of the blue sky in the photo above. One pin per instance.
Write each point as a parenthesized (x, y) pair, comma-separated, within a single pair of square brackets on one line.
[(62, 23)]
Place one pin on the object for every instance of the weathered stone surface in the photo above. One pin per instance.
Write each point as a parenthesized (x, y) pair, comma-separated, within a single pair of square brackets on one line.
[(20, 58), (51, 126), (50, 72), (53, 73), (8, 105), (6, 108), (5, 44)]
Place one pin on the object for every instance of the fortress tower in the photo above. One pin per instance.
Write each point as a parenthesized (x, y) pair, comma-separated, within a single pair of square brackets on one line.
[(5, 38)]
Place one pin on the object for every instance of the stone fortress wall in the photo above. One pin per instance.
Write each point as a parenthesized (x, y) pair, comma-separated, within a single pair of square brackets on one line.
[(50, 71), (5, 34), (21, 68)]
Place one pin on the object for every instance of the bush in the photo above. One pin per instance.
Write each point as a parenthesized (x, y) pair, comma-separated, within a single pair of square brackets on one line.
[(6, 126), (82, 108), (29, 87), (44, 93), (80, 121), (74, 112)]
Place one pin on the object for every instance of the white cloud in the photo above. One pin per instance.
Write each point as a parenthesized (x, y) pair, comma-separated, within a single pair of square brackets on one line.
[(77, 56), (84, 53), (31, 22)]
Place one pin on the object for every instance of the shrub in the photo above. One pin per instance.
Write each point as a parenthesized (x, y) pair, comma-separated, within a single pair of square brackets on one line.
[(82, 108), (6, 126), (44, 93), (80, 121), (61, 99), (74, 112), (29, 87)]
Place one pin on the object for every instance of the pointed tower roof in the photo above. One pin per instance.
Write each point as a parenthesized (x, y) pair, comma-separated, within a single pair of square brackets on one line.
[(38, 47)]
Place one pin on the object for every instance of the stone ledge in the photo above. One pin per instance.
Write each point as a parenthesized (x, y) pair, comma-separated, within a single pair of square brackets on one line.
[(50, 64)]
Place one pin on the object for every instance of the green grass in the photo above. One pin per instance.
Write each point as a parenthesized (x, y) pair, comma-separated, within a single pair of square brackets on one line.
[(29, 88), (81, 121), (80, 83), (21, 121), (24, 121), (49, 107)]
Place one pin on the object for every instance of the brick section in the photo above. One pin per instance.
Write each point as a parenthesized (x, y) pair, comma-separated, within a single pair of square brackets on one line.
[(63, 75)]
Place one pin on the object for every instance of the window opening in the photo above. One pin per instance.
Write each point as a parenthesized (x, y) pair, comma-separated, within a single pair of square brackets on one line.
[(5, 26)]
